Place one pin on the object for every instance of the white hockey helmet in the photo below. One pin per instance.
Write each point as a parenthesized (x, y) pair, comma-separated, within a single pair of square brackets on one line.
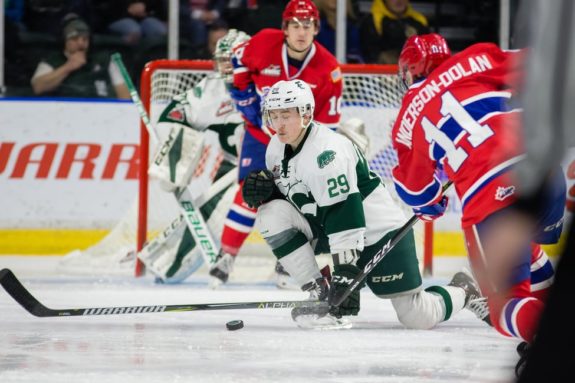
[(223, 52), (290, 94)]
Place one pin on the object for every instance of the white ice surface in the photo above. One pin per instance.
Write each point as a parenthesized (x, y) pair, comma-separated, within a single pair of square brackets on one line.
[(197, 347)]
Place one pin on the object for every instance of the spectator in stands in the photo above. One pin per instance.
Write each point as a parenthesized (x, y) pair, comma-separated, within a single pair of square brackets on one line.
[(384, 31), (326, 35), (198, 15), (76, 72), (133, 20)]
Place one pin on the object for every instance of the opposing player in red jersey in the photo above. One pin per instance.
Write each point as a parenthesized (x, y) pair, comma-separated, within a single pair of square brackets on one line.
[(270, 56), (456, 116)]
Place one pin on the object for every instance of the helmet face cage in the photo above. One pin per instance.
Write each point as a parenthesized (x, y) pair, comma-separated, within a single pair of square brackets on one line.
[(289, 94), (300, 11), (223, 53)]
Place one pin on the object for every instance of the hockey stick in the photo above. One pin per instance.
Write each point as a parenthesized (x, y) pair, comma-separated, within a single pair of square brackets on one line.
[(399, 234), (196, 222), (25, 299)]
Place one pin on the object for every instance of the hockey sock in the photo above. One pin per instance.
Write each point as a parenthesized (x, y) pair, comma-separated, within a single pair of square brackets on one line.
[(519, 318), (542, 273), (238, 224)]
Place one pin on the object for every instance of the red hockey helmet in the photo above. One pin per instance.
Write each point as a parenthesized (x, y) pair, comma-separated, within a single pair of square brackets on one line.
[(299, 10), (421, 54)]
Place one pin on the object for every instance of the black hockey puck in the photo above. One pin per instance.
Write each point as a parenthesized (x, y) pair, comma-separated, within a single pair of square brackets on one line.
[(235, 325)]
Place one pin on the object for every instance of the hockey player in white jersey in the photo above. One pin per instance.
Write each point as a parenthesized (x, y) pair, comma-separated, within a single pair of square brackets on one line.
[(318, 195), (203, 113)]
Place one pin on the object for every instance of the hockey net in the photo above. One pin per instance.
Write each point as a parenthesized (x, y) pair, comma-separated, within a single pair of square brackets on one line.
[(371, 93)]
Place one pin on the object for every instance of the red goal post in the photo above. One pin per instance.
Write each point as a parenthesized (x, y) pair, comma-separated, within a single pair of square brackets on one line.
[(371, 92)]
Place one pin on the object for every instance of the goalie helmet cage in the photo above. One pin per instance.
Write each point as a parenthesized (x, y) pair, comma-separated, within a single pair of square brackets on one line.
[(371, 92)]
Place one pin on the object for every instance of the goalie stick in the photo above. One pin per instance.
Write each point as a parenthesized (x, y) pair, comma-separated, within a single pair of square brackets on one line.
[(194, 219), (25, 299), (399, 234)]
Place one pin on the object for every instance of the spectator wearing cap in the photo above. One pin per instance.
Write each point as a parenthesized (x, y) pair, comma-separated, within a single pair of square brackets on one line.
[(75, 71)]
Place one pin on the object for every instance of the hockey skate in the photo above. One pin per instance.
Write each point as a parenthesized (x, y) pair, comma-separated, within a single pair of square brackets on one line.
[(220, 271), (318, 317), (283, 279), (474, 301)]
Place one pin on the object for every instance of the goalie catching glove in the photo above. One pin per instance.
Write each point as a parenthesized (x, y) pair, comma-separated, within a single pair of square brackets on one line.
[(259, 187)]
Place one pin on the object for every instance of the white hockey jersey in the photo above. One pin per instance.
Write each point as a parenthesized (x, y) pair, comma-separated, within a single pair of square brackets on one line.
[(328, 180)]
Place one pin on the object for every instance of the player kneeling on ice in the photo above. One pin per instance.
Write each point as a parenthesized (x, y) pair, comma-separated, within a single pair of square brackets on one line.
[(318, 195)]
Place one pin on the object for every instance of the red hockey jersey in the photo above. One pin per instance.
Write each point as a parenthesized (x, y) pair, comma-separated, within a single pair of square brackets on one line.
[(459, 119), (263, 60)]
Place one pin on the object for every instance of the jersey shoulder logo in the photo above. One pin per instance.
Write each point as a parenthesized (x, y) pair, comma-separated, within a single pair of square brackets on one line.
[(325, 158), (336, 75)]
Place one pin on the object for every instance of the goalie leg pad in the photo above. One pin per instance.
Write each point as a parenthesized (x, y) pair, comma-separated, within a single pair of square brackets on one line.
[(172, 256), (177, 157)]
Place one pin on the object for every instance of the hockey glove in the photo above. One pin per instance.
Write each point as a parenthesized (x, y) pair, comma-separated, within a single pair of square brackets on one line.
[(248, 103), (259, 187), (341, 278), (431, 212)]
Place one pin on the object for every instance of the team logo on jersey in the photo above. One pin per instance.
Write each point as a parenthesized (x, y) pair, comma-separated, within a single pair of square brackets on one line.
[(504, 192), (225, 108), (325, 158), (177, 114), (272, 70)]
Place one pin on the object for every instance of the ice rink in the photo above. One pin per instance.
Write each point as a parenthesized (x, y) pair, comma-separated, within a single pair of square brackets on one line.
[(197, 347)]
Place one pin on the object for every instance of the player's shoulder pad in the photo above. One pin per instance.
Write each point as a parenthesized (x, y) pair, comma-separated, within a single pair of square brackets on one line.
[(265, 38), (327, 60)]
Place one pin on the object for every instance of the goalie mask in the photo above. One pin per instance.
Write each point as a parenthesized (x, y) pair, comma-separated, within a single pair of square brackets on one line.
[(290, 94), (223, 53), (420, 55)]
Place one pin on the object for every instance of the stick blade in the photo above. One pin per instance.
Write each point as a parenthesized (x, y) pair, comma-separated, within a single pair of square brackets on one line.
[(17, 291)]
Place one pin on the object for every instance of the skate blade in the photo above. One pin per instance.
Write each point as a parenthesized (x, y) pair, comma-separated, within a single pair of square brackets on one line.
[(326, 322)]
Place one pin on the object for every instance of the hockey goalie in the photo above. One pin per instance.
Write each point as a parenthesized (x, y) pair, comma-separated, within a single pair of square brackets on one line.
[(198, 152)]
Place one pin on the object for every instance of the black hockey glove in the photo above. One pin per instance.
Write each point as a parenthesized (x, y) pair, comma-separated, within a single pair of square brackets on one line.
[(259, 188), (341, 278)]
